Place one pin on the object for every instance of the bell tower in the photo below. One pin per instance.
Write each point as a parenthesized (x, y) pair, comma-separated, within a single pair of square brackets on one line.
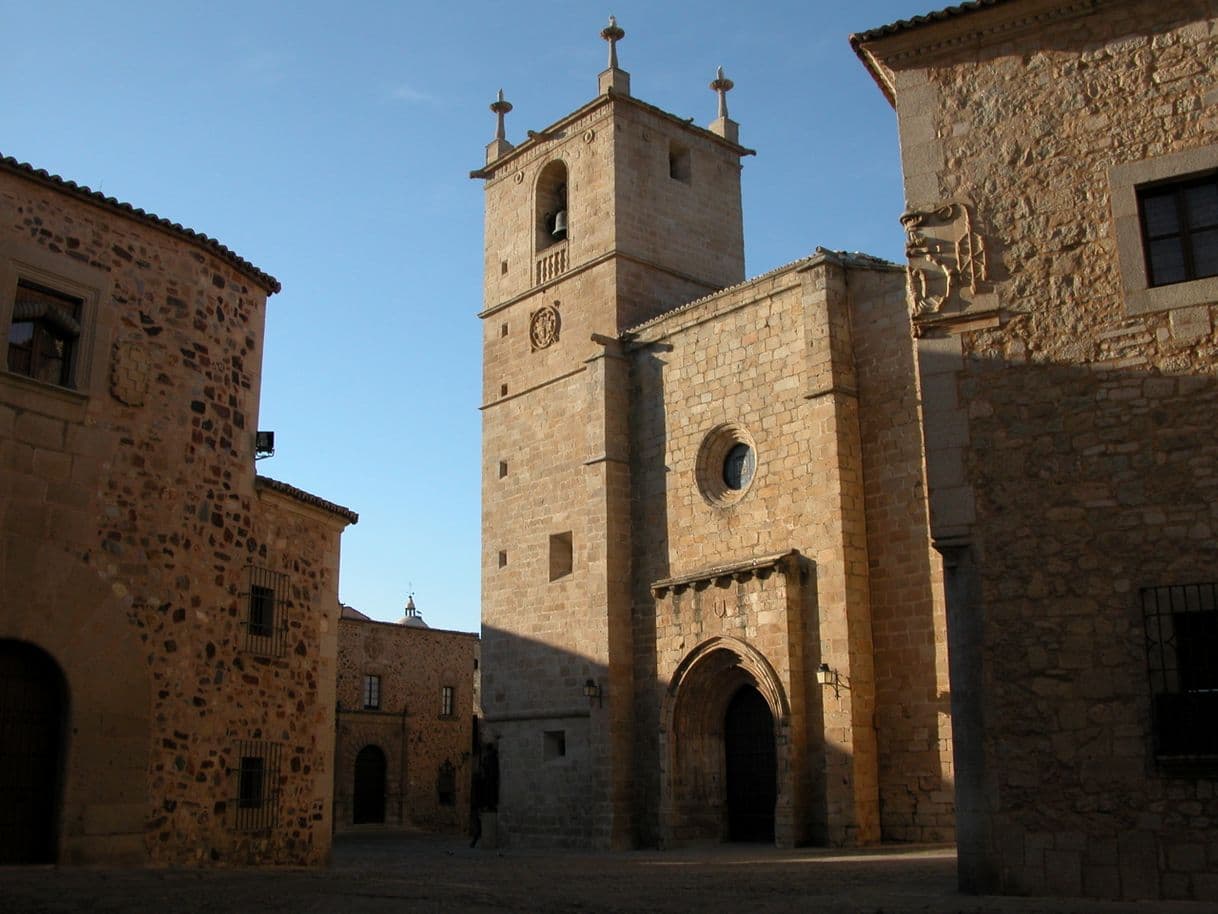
[(610, 216)]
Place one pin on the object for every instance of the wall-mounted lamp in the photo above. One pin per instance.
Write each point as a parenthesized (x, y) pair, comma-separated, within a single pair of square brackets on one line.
[(828, 677), (264, 445), (592, 691)]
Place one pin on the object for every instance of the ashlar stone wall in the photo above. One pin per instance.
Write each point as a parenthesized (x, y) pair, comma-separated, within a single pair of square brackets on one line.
[(1068, 420)]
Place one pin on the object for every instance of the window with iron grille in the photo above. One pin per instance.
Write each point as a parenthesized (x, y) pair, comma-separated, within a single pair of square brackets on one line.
[(1182, 652), (446, 784), (256, 775), (1180, 229), (446, 701), (266, 626), (372, 692)]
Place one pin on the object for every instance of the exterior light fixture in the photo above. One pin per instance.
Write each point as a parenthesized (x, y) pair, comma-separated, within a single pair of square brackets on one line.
[(592, 691), (264, 445), (828, 677)]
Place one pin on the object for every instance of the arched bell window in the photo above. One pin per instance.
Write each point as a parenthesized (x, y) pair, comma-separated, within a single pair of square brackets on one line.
[(551, 213)]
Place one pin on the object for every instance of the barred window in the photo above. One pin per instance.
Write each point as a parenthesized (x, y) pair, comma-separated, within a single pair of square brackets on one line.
[(372, 692), (266, 627), (256, 777), (446, 701), (446, 784), (1182, 652)]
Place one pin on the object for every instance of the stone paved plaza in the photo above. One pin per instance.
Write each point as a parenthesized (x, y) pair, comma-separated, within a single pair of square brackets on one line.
[(396, 872)]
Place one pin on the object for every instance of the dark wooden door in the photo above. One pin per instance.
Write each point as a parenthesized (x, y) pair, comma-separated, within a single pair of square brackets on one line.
[(31, 727), (751, 767), (368, 803)]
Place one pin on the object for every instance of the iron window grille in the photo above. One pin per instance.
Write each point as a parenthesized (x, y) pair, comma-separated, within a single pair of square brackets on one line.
[(446, 784), (256, 777), (446, 701), (1180, 229), (372, 692), (1182, 653), (266, 629)]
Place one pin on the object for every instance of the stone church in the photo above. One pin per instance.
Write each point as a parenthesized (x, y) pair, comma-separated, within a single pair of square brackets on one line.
[(711, 610)]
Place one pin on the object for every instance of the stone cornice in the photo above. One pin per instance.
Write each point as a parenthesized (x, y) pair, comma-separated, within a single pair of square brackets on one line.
[(937, 36), (762, 566)]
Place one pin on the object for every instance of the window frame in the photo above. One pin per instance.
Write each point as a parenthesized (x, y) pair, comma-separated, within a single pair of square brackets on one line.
[(266, 602), (372, 692), (448, 702), (23, 263), (1182, 678), (1125, 181), (255, 774)]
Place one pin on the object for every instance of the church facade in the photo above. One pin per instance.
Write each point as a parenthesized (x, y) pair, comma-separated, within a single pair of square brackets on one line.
[(711, 610)]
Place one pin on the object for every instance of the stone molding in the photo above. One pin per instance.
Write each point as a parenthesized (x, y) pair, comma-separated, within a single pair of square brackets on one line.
[(788, 563)]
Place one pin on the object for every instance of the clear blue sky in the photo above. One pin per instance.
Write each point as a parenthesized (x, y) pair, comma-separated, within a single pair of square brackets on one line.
[(331, 147)]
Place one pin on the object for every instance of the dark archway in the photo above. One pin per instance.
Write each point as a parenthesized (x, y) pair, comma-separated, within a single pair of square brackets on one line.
[(33, 707), (368, 803), (750, 766)]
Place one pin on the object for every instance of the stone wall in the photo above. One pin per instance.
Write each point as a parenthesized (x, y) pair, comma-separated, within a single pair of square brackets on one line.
[(131, 520), (414, 664), (1068, 417)]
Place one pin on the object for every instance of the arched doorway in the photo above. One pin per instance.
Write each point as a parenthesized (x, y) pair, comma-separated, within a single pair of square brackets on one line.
[(723, 732), (750, 766), (368, 802), (33, 704)]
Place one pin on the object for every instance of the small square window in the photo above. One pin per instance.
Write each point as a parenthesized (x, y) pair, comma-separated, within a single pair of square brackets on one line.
[(446, 701), (502, 468), (502, 558), (553, 744), (1180, 229), (44, 335), (372, 692), (560, 555), (1166, 219), (678, 162)]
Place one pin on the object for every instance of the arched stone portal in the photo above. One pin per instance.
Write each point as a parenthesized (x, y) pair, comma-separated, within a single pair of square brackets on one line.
[(368, 795), (725, 684), (33, 708)]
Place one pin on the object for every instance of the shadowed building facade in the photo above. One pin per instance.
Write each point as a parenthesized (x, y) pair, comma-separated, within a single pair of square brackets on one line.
[(168, 618), (710, 609), (1060, 175)]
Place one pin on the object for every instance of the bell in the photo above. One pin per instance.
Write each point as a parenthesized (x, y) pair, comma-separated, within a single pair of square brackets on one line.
[(560, 225)]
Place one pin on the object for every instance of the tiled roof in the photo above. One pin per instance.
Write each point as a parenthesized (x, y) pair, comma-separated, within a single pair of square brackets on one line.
[(855, 259), (308, 498), (905, 25), (211, 245)]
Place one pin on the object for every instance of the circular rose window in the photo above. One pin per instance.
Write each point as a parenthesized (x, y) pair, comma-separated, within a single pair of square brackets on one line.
[(727, 463)]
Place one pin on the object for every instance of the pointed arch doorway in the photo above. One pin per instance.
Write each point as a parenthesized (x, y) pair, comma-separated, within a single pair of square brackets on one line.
[(368, 800), (33, 708), (724, 733)]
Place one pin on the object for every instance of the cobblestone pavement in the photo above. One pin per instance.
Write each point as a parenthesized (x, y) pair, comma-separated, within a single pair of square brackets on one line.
[(377, 872)]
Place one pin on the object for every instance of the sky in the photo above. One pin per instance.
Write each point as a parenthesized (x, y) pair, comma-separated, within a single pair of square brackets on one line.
[(332, 148)]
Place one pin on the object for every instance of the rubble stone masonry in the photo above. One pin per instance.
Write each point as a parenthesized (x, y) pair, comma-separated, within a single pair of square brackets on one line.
[(133, 527)]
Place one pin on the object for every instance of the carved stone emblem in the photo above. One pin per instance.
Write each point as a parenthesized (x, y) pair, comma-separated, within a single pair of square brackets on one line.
[(129, 372), (544, 324), (946, 257)]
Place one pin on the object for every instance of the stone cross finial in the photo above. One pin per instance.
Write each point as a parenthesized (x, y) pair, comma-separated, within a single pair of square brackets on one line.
[(613, 35), (722, 85), (501, 107)]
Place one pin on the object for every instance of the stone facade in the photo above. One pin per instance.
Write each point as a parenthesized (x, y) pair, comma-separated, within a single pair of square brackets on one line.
[(635, 606), (1069, 406), (169, 629), (404, 744)]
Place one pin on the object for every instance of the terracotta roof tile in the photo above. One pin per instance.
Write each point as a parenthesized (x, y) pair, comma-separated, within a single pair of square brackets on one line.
[(308, 498), (211, 245)]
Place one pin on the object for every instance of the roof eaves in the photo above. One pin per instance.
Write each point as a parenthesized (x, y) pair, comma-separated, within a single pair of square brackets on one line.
[(307, 498), (96, 198)]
